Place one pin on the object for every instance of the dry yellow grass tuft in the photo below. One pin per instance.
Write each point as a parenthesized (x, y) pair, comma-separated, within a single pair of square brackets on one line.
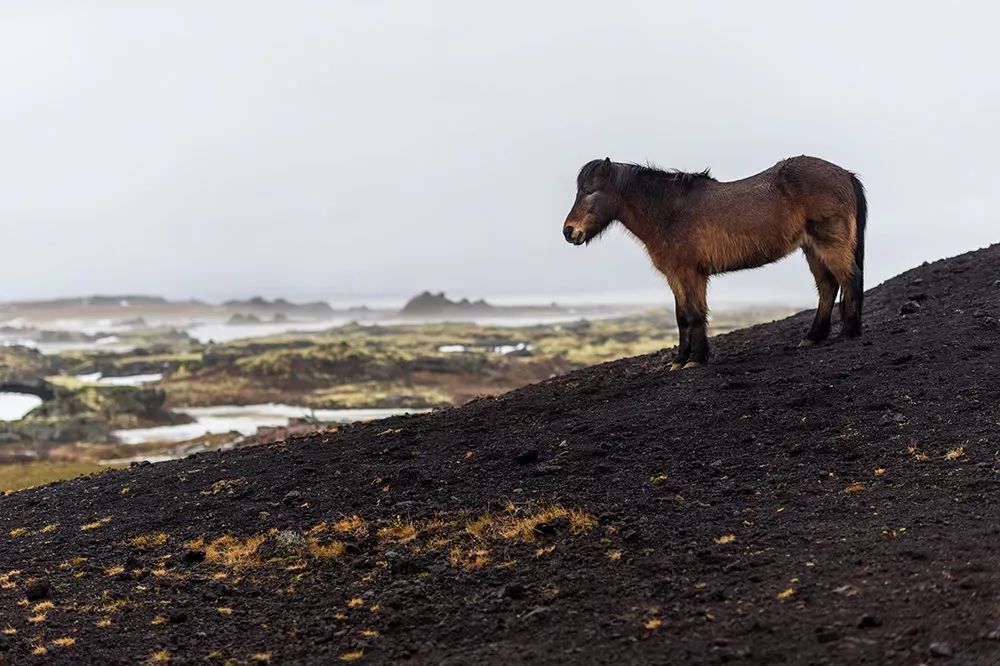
[(224, 610), (43, 606), (653, 623), (350, 525), (328, 549), (114, 571), (232, 552), (354, 655), (880, 471), (40, 651), (261, 656), (8, 631), (151, 540), (614, 555), (725, 538), (786, 594), (318, 529), (369, 633), (355, 602), (94, 525), (955, 453), (475, 558), (398, 532), (51, 527), (115, 605), (35, 619), (657, 479), (103, 623), (159, 619), (854, 488), (18, 532), (224, 486), (160, 657), (66, 641), (526, 526)]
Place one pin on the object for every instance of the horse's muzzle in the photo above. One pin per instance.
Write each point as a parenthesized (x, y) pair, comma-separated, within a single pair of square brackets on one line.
[(574, 236)]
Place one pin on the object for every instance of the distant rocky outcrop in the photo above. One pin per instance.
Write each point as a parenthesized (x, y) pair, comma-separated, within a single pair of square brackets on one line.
[(240, 319), (259, 305), (428, 304)]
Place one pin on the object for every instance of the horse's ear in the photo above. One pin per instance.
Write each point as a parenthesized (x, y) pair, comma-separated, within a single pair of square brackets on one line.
[(605, 168)]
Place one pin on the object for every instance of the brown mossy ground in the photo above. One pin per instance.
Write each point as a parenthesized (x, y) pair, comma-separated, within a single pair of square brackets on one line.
[(834, 505)]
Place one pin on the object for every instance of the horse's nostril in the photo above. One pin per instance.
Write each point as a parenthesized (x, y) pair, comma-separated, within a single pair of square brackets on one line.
[(568, 233)]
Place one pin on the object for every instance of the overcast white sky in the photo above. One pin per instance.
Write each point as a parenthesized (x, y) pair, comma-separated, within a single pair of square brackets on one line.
[(316, 149)]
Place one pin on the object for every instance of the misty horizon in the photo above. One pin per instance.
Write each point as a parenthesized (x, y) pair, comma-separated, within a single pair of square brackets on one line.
[(365, 151)]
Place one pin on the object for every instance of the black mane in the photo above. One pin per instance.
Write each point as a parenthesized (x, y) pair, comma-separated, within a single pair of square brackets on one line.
[(645, 177)]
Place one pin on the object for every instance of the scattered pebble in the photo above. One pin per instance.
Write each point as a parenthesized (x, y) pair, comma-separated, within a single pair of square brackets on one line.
[(37, 590), (941, 650), (869, 621)]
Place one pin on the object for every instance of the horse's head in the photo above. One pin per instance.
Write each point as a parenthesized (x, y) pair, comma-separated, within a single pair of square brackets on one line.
[(596, 203)]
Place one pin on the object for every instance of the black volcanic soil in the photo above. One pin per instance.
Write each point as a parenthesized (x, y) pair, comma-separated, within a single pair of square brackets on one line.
[(835, 505)]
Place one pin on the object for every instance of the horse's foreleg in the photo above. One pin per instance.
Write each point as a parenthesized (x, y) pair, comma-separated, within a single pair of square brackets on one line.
[(826, 286), (697, 315)]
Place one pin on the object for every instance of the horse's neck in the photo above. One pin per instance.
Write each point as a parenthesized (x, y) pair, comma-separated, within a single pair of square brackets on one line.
[(647, 220)]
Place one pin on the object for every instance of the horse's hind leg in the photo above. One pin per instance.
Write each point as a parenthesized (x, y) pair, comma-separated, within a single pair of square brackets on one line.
[(826, 286), (832, 241)]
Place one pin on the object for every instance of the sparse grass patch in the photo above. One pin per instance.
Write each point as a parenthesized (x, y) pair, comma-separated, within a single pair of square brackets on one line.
[(114, 571), (160, 657), (725, 538), (65, 641), (327, 549), (474, 558), (955, 454), (351, 525), (232, 552), (151, 540), (354, 655), (29, 475), (398, 532), (18, 532), (96, 524)]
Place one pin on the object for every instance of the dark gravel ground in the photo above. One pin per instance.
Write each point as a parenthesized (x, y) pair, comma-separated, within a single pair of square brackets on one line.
[(834, 505)]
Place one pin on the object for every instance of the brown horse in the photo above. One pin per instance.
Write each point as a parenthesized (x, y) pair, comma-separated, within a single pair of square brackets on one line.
[(694, 227)]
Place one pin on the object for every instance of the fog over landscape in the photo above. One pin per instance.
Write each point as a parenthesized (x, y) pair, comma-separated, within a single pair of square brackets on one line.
[(366, 151)]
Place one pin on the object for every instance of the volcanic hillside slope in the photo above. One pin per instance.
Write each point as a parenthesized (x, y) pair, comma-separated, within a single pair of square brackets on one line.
[(831, 505)]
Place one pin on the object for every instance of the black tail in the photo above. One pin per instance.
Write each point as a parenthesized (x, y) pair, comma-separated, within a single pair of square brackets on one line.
[(853, 298), (861, 215)]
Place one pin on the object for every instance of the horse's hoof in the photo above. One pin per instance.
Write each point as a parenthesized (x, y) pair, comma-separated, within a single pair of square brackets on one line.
[(692, 364), (806, 342), (676, 366)]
